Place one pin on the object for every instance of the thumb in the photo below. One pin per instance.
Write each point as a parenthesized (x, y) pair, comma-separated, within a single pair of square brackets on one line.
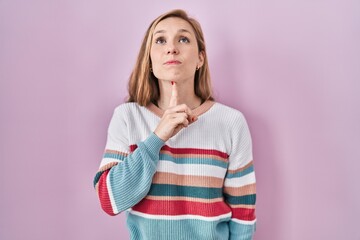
[(174, 95)]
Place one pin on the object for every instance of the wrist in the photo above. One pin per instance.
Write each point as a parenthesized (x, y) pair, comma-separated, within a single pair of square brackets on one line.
[(164, 139)]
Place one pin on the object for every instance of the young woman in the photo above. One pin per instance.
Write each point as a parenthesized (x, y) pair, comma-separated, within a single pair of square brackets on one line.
[(178, 162)]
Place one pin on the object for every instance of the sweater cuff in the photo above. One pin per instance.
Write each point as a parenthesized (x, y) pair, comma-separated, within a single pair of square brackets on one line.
[(153, 143)]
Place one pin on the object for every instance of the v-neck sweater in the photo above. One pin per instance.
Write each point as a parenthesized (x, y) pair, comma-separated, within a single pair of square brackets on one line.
[(200, 184)]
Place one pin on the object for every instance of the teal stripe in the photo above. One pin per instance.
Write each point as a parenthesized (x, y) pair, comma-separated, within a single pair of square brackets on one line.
[(241, 173), (184, 191), (205, 161), (247, 199), (114, 156), (97, 177)]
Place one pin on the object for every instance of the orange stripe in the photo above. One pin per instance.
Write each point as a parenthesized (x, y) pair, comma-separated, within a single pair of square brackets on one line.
[(195, 156), (108, 166), (169, 198), (241, 191), (242, 206), (116, 152), (242, 168), (187, 180)]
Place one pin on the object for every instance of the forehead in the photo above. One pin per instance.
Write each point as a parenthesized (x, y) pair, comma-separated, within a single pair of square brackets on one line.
[(173, 24)]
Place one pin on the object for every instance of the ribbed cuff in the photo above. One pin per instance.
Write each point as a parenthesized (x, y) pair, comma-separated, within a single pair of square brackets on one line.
[(153, 143)]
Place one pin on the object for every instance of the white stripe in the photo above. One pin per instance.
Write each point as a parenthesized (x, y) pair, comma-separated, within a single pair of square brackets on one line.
[(180, 217), (240, 181), (105, 161), (236, 164), (243, 221), (191, 169), (111, 196)]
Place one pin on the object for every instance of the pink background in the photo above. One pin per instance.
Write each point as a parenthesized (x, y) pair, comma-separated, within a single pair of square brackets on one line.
[(292, 67)]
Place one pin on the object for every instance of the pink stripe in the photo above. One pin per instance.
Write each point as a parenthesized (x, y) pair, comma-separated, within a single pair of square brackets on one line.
[(104, 194), (181, 207), (247, 214), (189, 151), (195, 151)]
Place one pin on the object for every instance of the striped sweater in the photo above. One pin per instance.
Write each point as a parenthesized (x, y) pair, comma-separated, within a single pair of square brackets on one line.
[(200, 184)]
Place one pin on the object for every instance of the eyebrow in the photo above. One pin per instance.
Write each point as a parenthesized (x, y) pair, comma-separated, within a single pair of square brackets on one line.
[(180, 30)]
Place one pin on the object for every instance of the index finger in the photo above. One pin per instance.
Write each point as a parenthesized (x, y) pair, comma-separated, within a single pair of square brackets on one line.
[(174, 95)]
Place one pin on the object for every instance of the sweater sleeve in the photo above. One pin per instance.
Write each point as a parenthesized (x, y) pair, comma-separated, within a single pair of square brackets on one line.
[(124, 177), (239, 184)]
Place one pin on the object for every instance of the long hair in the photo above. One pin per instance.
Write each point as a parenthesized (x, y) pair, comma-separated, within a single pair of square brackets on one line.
[(144, 86)]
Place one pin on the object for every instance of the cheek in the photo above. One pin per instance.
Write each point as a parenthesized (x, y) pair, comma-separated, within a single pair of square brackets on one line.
[(155, 53), (193, 55), (155, 61), (152, 55)]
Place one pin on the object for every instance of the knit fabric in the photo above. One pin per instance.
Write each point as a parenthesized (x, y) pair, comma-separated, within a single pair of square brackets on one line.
[(200, 184)]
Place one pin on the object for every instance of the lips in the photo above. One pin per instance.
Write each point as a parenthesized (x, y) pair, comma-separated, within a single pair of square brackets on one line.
[(172, 62)]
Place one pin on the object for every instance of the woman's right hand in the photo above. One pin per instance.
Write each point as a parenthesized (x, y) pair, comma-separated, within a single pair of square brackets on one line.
[(175, 118)]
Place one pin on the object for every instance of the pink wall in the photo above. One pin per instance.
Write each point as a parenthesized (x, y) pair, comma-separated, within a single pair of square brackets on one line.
[(292, 67)]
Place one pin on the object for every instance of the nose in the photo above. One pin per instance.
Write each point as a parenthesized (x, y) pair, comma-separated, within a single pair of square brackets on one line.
[(172, 49)]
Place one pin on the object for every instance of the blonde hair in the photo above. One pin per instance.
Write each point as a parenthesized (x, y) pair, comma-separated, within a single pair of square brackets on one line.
[(144, 86)]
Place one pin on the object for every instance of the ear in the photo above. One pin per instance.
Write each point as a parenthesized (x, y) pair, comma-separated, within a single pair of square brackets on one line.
[(201, 59)]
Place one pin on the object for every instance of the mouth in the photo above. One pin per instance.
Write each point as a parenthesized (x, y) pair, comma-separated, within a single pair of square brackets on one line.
[(172, 62)]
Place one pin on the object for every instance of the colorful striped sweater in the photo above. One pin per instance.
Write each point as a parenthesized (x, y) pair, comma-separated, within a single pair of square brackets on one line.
[(199, 185)]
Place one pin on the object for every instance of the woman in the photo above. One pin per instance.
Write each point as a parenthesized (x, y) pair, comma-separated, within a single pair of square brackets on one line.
[(178, 162)]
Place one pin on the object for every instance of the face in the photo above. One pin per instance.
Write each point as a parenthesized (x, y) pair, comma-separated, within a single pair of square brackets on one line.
[(174, 51)]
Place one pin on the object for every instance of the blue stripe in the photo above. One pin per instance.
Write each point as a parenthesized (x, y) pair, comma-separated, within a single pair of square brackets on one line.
[(241, 173), (247, 199), (184, 191), (206, 161), (244, 231), (155, 229)]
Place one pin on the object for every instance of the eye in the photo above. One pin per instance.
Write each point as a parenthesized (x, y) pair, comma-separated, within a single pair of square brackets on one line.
[(160, 40), (184, 40)]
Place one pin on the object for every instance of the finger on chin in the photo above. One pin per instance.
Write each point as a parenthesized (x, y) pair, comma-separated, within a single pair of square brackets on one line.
[(174, 95)]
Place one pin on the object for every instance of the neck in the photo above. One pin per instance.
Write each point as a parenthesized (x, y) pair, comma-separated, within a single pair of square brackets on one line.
[(186, 94)]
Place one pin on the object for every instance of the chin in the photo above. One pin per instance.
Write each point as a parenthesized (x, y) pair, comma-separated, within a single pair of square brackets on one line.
[(174, 78)]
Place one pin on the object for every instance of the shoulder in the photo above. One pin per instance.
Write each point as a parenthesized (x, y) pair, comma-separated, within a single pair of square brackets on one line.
[(132, 111), (228, 114), (125, 107), (125, 110), (129, 108)]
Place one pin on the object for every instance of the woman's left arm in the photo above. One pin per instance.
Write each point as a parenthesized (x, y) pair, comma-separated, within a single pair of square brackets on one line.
[(239, 184)]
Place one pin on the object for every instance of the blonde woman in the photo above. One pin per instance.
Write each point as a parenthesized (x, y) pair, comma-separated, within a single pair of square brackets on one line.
[(179, 163)]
